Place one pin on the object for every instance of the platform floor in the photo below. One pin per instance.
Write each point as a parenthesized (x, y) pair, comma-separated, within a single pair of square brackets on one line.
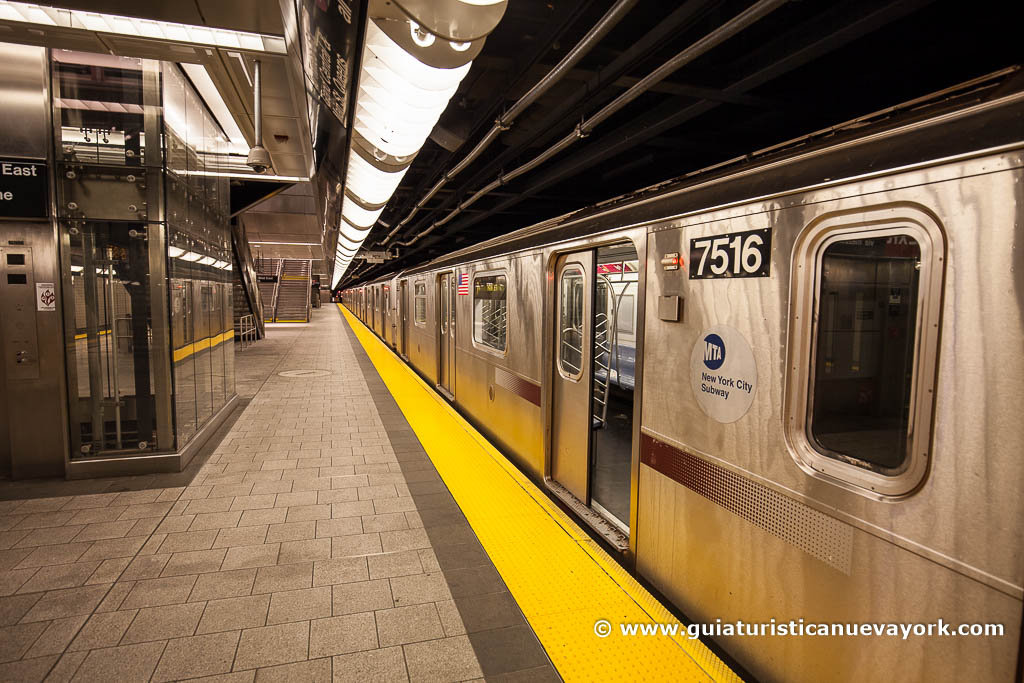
[(563, 580), (324, 538)]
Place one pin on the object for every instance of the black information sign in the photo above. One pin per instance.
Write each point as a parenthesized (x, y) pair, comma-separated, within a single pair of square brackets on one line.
[(330, 29), (23, 189), (736, 254)]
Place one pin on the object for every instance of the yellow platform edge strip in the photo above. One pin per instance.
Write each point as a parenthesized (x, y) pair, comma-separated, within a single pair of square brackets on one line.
[(563, 581), (183, 352), (187, 350), (83, 335)]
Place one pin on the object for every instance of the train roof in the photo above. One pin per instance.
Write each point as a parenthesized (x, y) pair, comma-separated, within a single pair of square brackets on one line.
[(971, 118)]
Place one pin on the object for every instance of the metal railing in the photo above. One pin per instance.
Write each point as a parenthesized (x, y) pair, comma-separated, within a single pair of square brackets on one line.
[(247, 332)]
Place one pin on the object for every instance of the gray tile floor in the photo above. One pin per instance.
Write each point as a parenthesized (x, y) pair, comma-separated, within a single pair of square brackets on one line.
[(252, 368), (316, 543)]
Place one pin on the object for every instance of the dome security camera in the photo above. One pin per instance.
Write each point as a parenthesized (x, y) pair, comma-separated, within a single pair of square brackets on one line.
[(258, 159)]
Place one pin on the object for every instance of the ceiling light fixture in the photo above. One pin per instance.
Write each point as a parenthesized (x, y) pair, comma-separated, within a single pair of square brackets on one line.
[(28, 13), (406, 79), (419, 36), (200, 78)]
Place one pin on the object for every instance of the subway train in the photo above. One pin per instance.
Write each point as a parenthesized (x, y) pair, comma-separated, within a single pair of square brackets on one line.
[(787, 388)]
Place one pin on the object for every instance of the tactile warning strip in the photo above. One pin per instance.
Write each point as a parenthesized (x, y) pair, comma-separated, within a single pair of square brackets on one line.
[(563, 581)]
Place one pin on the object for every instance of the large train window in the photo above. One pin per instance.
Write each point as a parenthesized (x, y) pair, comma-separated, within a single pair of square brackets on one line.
[(419, 299), (863, 342), (864, 350), (490, 311), (570, 322)]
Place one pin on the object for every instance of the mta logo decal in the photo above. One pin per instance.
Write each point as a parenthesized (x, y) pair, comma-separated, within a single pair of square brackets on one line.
[(714, 352)]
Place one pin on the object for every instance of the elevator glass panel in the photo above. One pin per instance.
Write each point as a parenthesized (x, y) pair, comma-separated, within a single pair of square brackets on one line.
[(115, 404)]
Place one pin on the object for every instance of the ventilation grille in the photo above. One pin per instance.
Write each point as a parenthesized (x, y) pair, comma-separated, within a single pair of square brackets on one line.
[(813, 532)]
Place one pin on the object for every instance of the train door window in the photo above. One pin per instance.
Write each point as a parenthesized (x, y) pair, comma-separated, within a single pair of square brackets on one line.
[(570, 323), (490, 311), (871, 309), (419, 297), (444, 304)]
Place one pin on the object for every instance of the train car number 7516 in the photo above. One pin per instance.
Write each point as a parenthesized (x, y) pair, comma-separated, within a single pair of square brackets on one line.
[(736, 254)]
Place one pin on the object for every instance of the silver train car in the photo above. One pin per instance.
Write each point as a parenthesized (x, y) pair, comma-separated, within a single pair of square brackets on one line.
[(787, 389)]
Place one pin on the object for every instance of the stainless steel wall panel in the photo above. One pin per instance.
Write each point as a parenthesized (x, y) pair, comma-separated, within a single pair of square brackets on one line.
[(722, 567), (509, 417), (31, 342), (423, 347), (25, 101)]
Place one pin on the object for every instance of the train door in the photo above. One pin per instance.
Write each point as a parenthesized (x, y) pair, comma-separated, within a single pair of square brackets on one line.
[(593, 401), (387, 319), (403, 318), (375, 313), (570, 431), (446, 292)]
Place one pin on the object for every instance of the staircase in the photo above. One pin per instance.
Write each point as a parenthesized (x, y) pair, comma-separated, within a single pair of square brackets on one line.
[(293, 292), (268, 272)]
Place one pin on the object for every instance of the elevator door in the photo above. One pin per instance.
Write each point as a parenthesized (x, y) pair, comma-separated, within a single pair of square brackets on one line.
[(570, 434), (446, 333)]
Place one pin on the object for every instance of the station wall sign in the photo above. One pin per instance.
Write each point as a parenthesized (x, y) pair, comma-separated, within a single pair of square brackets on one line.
[(23, 189)]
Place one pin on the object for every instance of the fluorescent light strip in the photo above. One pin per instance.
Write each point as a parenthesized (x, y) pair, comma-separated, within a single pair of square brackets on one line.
[(200, 78), (291, 244), (357, 215), (28, 13), (398, 103), (369, 183), (247, 176)]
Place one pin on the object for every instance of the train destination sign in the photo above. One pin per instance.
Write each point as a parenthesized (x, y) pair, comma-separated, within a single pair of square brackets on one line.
[(723, 373), (23, 189), (736, 254)]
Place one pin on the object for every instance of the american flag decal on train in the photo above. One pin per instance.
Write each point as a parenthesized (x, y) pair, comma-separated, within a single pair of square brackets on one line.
[(463, 284)]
